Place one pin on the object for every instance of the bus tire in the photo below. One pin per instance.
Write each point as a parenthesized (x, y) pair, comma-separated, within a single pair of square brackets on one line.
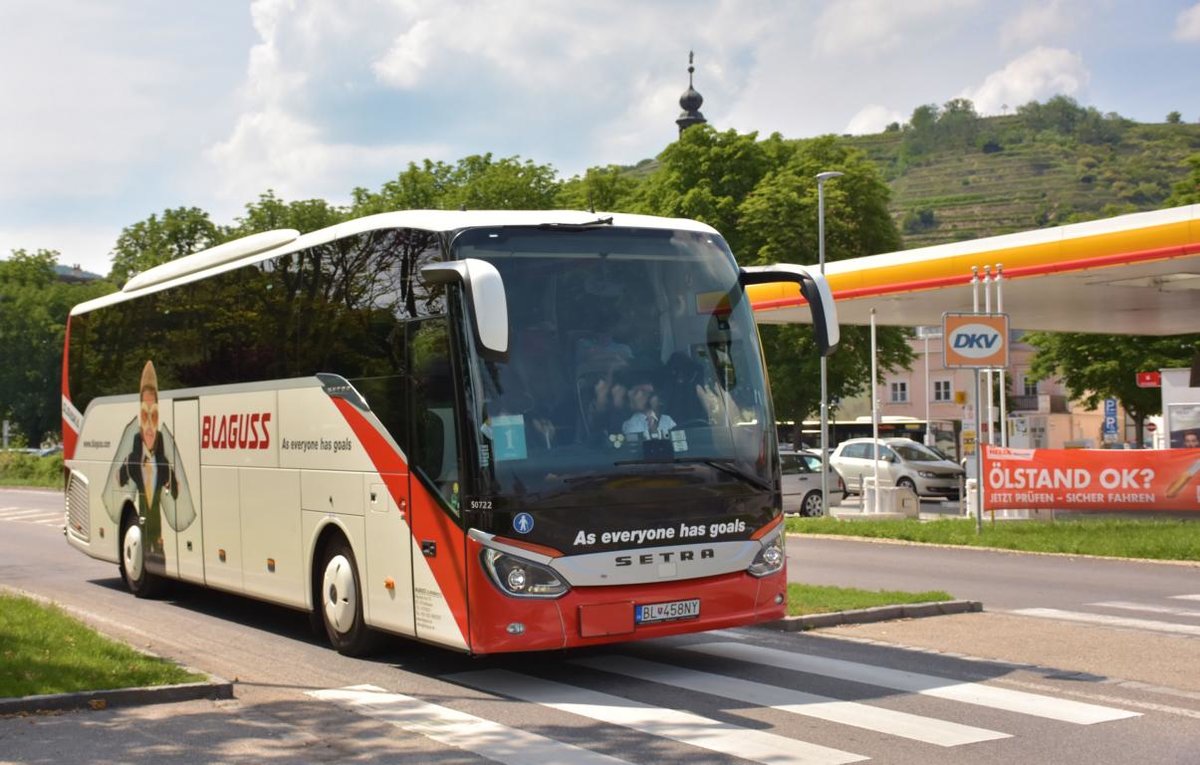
[(340, 603), (140, 582)]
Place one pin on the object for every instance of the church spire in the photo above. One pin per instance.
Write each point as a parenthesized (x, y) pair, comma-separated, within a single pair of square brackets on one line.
[(690, 102)]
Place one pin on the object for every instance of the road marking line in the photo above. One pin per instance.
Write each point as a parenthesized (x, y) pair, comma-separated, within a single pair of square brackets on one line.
[(461, 730), (913, 682), (1186, 597), (16, 514), (1110, 621), (674, 724), (1146, 607), (878, 719)]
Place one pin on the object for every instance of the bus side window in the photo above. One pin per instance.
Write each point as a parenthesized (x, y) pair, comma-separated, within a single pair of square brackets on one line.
[(433, 450)]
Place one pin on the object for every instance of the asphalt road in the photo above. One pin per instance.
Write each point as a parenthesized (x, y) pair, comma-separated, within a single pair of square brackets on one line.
[(734, 696)]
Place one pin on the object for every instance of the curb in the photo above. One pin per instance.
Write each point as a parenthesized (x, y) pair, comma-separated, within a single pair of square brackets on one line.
[(123, 697), (876, 614)]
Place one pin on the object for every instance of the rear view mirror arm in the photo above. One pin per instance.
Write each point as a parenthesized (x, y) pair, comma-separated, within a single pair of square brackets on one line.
[(814, 288)]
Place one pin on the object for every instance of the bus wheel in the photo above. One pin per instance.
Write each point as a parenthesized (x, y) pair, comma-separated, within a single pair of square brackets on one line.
[(140, 582), (341, 602)]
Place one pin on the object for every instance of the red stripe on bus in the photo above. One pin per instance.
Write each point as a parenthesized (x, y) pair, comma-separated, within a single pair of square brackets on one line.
[(69, 436), (448, 566)]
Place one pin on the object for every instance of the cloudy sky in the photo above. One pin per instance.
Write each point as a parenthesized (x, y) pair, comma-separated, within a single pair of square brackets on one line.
[(115, 110)]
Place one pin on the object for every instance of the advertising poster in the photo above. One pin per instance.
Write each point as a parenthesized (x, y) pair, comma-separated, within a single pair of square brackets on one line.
[(1091, 479), (1184, 420)]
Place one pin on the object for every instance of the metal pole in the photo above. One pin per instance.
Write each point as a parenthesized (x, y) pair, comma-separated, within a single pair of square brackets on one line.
[(978, 464), (821, 178), (874, 415), (987, 308), (1003, 372), (928, 427)]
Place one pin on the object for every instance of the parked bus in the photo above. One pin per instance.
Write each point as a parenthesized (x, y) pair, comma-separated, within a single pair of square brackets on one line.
[(490, 431), (945, 432)]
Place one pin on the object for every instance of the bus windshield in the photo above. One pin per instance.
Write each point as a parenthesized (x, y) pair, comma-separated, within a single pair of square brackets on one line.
[(632, 351)]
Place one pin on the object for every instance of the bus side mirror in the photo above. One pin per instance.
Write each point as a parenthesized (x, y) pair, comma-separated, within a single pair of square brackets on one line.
[(816, 291), (483, 289)]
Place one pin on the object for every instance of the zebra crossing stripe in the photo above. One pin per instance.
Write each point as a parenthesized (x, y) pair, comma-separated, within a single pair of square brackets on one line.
[(1148, 608), (461, 730), (878, 719), (677, 725), (16, 513), (978, 694), (1110, 621)]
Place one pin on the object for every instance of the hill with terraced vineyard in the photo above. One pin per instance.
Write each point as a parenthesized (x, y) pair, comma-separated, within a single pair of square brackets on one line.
[(955, 175)]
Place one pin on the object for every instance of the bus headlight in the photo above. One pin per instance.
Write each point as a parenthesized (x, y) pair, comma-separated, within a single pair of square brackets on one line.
[(771, 557), (522, 578)]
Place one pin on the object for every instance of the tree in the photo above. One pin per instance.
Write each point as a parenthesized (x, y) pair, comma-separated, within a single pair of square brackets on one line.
[(706, 174), (1095, 367), (477, 182), (143, 245), (762, 196), (1174, 118), (779, 224), (1187, 191), (33, 314), (601, 188), (270, 213)]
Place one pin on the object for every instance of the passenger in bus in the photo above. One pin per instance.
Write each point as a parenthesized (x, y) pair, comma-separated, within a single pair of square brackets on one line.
[(598, 350), (648, 420), (604, 404)]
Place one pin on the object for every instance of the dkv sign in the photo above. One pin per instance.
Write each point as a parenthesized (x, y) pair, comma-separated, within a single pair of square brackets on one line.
[(975, 340)]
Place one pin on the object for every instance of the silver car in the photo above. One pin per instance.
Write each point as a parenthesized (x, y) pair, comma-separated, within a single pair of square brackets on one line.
[(802, 484), (902, 462)]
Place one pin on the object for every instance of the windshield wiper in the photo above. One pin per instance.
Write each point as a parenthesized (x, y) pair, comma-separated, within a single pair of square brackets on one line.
[(598, 222), (725, 466)]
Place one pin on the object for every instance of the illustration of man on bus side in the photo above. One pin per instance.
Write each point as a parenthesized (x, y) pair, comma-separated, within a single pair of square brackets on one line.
[(143, 472)]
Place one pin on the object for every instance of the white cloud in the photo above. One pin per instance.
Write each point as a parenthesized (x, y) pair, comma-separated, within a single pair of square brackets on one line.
[(1037, 75), (872, 119), (1037, 22), (872, 28), (1187, 25), (89, 247)]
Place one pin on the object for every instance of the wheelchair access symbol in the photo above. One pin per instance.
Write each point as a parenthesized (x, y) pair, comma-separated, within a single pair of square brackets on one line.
[(523, 523)]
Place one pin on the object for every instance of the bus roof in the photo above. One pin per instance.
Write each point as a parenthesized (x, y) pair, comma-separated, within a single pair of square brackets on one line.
[(425, 220)]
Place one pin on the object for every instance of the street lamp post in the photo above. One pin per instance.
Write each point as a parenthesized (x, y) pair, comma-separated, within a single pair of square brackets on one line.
[(821, 178)]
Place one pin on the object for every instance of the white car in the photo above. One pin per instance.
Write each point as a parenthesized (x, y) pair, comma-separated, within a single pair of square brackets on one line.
[(902, 462), (802, 484)]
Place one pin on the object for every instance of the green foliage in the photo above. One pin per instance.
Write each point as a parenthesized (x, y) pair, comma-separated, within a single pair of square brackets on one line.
[(477, 182), (608, 188), (21, 469), (46, 651), (1187, 191), (33, 313), (270, 213), (1095, 367), (156, 240), (1174, 118)]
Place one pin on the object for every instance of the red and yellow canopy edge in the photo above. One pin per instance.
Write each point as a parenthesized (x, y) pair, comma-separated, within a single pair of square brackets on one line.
[(1051, 251)]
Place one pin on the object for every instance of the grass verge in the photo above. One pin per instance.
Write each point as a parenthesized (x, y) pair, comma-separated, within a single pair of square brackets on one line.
[(18, 469), (1121, 538), (815, 599), (43, 650)]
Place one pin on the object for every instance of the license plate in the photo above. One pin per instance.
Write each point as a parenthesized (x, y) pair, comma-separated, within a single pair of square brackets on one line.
[(662, 612)]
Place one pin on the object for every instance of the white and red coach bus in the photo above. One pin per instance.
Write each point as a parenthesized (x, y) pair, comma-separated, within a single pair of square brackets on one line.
[(491, 431)]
